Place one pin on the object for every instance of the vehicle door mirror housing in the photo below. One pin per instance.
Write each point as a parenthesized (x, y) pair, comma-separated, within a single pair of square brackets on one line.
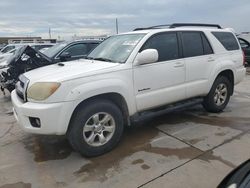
[(64, 56), (147, 56)]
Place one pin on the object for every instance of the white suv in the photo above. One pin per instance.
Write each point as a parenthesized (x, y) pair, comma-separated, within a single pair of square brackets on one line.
[(90, 100)]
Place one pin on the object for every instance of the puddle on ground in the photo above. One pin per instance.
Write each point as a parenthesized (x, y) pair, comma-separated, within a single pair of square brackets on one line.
[(47, 148), (238, 123), (136, 139), (145, 167), (209, 156), (17, 185), (138, 161)]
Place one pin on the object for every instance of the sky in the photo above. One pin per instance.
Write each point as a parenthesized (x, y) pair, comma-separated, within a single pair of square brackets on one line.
[(68, 18)]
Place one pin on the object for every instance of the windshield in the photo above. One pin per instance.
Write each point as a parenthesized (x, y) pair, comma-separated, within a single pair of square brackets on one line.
[(51, 52), (116, 48), (7, 48)]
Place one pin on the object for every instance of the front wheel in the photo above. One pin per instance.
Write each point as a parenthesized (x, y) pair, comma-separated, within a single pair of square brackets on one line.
[(96, 128), (219, 95)]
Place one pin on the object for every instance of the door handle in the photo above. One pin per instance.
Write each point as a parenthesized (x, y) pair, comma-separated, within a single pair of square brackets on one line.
[(179, 64)]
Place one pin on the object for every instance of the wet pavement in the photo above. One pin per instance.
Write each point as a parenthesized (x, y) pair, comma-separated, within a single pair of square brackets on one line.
[(190, 148)]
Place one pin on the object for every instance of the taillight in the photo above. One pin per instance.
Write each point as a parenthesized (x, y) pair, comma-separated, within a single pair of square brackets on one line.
[(244, 58)]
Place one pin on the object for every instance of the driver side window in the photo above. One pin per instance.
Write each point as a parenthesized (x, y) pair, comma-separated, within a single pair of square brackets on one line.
[(77, 50), (166, 44)]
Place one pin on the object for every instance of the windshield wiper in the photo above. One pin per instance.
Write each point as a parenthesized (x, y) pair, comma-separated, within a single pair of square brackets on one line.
[(103, 59), (88, 58)]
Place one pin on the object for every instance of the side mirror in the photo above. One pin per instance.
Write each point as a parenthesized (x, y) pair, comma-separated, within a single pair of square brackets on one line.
[(64, 56), (147, 56)]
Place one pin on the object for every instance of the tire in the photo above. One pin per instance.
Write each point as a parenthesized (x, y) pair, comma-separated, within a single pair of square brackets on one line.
[(217, 101), (96, 128)]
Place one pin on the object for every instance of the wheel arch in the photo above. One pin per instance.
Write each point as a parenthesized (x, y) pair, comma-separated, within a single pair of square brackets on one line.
[(113, 97), (228, 73)]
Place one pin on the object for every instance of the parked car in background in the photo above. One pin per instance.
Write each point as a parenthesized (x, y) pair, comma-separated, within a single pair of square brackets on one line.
[(2, 46), (71, 50), (127, 76), (27, 58), (245, 45), (238, 178), (37, 46)]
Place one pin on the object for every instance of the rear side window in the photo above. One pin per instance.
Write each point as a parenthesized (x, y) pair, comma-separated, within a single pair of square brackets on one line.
[(192, 43), (206, 45), (166, 44), (228, 40)]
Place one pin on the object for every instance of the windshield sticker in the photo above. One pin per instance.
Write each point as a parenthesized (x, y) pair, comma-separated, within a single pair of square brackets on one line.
[(130, 43)]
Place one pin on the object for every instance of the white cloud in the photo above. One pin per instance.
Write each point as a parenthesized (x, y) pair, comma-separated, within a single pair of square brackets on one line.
[(82, 17)]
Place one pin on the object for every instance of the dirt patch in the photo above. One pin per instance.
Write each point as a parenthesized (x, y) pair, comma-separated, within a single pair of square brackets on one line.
[(17, 185)]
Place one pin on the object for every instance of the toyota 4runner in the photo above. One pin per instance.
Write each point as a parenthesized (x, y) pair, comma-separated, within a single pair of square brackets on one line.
[(91, 100)]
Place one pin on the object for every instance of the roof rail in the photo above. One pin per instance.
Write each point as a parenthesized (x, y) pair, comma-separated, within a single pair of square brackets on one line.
[(174, 25), (152, 27)]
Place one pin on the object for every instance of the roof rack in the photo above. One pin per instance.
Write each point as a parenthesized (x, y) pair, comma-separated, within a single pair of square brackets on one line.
[(174, 25), (152, 27)]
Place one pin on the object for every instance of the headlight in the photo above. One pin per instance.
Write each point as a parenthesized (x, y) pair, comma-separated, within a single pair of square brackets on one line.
[(42, 90)]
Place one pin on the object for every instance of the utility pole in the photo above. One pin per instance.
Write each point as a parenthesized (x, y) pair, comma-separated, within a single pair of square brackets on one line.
[(116, 24), (49, 33)]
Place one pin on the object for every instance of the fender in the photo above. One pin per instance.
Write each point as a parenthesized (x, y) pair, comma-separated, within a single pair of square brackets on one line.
[(218, 68), (98, 87)]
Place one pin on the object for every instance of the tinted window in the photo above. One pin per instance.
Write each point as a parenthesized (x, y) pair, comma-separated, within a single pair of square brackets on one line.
[(7, 49), (192, 43), (77, 50), (243, 43), (227, 40), (166, 44), (206, 46)]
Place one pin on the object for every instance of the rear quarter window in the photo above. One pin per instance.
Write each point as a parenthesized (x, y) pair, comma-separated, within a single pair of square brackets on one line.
[(228, 40)]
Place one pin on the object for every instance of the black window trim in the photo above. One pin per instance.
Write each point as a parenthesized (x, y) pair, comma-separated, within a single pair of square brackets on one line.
[(201, 33), (178, 43), (69, 46), (237, 41)]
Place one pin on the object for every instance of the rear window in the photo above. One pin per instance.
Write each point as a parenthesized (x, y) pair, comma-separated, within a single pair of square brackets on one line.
[(228, 40)]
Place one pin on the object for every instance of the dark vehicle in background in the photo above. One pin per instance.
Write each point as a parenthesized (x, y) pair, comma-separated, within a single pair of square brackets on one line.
[(245, 45), (24, 59), (68, 51), (27, 58), (238, 178)]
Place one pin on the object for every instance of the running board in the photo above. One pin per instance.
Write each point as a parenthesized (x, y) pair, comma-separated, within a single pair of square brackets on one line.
[(165, 109)]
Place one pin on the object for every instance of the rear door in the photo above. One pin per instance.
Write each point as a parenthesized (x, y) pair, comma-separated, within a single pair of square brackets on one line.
[(199, 60)]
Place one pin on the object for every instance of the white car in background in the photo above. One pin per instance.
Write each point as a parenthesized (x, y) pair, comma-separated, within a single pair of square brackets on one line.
[(5, 56)]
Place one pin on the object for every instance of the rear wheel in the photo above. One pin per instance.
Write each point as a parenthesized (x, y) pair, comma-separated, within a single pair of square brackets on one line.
[(96, 128), (219, 95)]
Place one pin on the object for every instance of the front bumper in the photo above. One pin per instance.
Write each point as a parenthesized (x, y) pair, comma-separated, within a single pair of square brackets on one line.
[(54, 117)]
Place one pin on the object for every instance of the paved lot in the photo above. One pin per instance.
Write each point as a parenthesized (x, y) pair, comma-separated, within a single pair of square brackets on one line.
[(190, 149)]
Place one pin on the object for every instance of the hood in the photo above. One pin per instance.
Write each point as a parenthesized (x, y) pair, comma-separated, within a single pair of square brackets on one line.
[(39, 58), (69, 70)]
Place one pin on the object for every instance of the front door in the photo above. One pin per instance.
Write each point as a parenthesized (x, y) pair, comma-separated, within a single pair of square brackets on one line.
[(163, 82)]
